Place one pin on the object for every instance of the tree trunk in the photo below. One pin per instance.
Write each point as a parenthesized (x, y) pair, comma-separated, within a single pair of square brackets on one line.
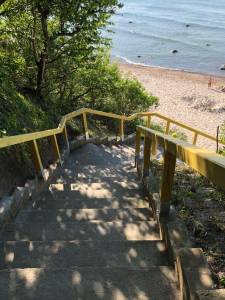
[(44, 55), (40, 75)]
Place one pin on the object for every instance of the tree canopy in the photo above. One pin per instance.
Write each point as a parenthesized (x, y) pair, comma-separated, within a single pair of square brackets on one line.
[(45, 41), (54, 59)]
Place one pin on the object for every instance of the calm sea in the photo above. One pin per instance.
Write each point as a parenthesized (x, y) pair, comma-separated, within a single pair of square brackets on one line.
[(147, 31)]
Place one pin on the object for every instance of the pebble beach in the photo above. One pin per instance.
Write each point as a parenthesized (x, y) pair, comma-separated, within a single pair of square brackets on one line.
[(184, 96)]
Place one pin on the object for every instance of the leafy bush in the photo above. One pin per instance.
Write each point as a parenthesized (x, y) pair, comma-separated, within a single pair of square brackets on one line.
[(19, 115), (102, 87)]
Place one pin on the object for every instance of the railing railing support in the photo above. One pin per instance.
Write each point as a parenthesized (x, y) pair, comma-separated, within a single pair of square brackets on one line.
[(137, 146), (167, 183), (147, 155), (55, 148), (122, 130), (195, 138), (85, 126), (36, 158), (154, 146), (149, 121), (167, 127), (65, 137)]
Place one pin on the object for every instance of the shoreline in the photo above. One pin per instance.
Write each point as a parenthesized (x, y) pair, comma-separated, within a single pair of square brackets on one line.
[(123, 61), (171, 71), (183, 96)]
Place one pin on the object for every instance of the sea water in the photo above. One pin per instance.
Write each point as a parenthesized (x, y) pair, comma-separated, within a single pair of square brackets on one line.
[(147, 31)]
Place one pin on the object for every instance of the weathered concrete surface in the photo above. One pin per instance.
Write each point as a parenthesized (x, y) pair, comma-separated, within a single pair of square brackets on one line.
[(88, 283), (70, 254), (194, 272), (90, 230), (90, 235), (85, 214)]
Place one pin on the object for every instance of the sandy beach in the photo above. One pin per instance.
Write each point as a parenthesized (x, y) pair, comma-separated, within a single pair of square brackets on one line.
[(184, 96)]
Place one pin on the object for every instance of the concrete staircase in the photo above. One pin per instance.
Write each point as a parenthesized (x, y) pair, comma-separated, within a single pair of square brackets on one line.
[(91, 235)]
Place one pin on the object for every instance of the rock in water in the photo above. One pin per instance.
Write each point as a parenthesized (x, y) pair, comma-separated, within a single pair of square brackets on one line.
[(222, 67), (174, 51), (188, 25), (130, 22)]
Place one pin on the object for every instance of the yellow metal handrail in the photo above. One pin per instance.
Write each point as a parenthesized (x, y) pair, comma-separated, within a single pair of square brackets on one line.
[(207, 163), (61, 129), (22, 138)]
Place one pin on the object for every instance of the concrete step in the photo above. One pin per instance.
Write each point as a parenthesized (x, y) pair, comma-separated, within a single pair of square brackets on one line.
[(96, 161), (63, 254), (88, 284), (88, 194), (108, 189), (98, 186), (104, 157), (123, 172), (86, 230), (70, 215), (77, 200)]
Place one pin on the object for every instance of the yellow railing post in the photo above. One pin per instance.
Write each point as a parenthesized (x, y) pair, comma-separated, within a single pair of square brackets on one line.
[(147, 155), (137, 146), (167, 127), (85, 126), (154, 146), (36, 157), (122, 129), (195, 138), (149, 121), (167, 182), (65, 137), (55, 148)]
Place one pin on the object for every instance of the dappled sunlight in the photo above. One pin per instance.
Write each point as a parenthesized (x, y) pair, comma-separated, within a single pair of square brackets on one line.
[(9, 257), (118, 294), (76, 278), (29, 276), (91, 235), (161, 247), (139, 231)]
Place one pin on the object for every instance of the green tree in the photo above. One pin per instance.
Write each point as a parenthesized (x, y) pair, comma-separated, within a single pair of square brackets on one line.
[(48, 40), (53, 60)]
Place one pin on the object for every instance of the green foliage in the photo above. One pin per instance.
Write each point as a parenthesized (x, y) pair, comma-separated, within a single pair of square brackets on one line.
[(53, 60), (19, 115), (157, 127), (44, 42), (103, 88), (222, 281), (178, 135)]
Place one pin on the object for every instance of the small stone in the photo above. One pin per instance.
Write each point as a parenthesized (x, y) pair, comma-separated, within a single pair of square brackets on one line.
[(188, 25), (139, 56), (174, 51), (222, 67)]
